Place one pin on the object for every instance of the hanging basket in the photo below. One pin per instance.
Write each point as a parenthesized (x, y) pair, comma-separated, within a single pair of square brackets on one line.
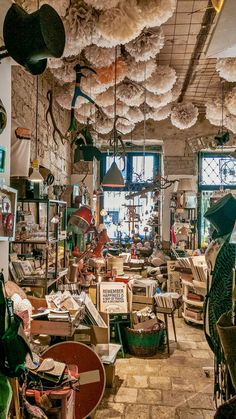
[(145, 342)]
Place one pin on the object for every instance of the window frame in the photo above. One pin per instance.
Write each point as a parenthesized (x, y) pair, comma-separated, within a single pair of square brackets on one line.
[(129, 183), (202, 187)]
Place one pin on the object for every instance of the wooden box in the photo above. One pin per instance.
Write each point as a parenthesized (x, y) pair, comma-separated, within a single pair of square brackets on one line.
[(139, 302), (48, 327)]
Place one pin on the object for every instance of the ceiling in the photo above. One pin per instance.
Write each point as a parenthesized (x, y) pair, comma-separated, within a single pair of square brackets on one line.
[(187, 36)]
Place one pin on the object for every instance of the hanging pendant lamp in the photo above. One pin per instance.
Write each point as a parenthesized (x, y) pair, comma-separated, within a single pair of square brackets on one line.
[(36, 176), (113, 178)]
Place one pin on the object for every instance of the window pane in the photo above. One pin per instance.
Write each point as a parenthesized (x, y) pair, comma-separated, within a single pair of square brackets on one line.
[(121, 163), (218, 170), (117, 218), (143, 169)]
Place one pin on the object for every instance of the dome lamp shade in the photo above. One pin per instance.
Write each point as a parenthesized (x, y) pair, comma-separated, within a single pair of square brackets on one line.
[(113, 178)]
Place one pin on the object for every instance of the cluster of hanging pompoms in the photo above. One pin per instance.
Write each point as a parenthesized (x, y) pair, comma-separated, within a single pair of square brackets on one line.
[(184, 115), (120, 40)]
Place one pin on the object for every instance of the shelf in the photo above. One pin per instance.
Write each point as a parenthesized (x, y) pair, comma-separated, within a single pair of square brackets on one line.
[(188, 283), (41, 282), (190, 319), (51, 241), (42, 201), (193, 302)]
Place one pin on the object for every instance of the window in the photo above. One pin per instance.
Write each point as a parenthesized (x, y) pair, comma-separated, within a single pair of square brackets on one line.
[(216, 172), (138, 173)]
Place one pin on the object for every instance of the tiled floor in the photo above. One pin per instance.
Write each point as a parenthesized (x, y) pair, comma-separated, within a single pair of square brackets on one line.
[(164, 387)]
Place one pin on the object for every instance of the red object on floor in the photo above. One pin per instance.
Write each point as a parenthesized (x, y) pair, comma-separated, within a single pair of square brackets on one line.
[(90, 369)]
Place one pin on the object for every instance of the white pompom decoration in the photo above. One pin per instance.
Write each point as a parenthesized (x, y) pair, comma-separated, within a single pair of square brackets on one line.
[(147, 45), (64, 94), (125, 128), (227, 68), (214, 110), (121, 109), (65, 73), (102, 4), (162, 80), (80, 26), (106, 98), (103, 124), (156, 12), (135, 115), (184, 115), (176, 90), (140, 71), (158, 101), (230, 101), (128, 91), (230, 123), (160, 114), (91, 85), (31, 6), (99, 57), (55, 63), (120, 24)]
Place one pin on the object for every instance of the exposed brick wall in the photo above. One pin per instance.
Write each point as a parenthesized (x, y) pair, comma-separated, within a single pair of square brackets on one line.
[(180, 165), (56, 158)]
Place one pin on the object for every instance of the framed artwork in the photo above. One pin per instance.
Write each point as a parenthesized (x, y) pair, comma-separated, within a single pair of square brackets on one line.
[(8, 202)]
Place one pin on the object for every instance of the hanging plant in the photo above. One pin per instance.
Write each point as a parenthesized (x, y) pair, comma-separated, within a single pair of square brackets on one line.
[(156, 12), (215, 112), (103, 124), (129, 91), (98, 56), (158, 101), (106, 75), (230, 101), (135, 115), (160, 114), (120, 24), (226, 68), (184, 115), (106, 98), (121, 109), (162, 80), (102, 4), (80, 26), (139, 71), (147, 45), (60, 6)]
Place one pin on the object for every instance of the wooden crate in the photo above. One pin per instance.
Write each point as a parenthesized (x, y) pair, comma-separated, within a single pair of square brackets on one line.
[(48, 327), (139, 302)]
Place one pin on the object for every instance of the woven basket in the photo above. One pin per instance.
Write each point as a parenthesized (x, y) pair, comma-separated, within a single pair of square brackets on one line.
[(144, 343)]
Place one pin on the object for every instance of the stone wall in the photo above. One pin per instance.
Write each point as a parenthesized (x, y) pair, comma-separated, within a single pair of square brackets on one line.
[(55, 157)]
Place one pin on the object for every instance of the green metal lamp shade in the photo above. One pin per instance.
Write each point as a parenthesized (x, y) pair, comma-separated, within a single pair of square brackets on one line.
[(222, 214), (113, 178)]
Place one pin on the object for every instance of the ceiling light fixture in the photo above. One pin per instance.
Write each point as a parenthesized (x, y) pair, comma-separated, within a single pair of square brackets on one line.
[(113, 177)]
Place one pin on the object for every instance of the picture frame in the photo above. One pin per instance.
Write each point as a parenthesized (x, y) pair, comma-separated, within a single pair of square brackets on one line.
[(8, 205)]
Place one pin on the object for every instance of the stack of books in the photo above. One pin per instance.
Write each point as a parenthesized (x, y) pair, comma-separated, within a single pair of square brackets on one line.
[(167, 299)]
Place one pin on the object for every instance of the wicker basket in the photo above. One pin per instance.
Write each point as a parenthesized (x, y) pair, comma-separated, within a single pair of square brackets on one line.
[(145, 342)]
